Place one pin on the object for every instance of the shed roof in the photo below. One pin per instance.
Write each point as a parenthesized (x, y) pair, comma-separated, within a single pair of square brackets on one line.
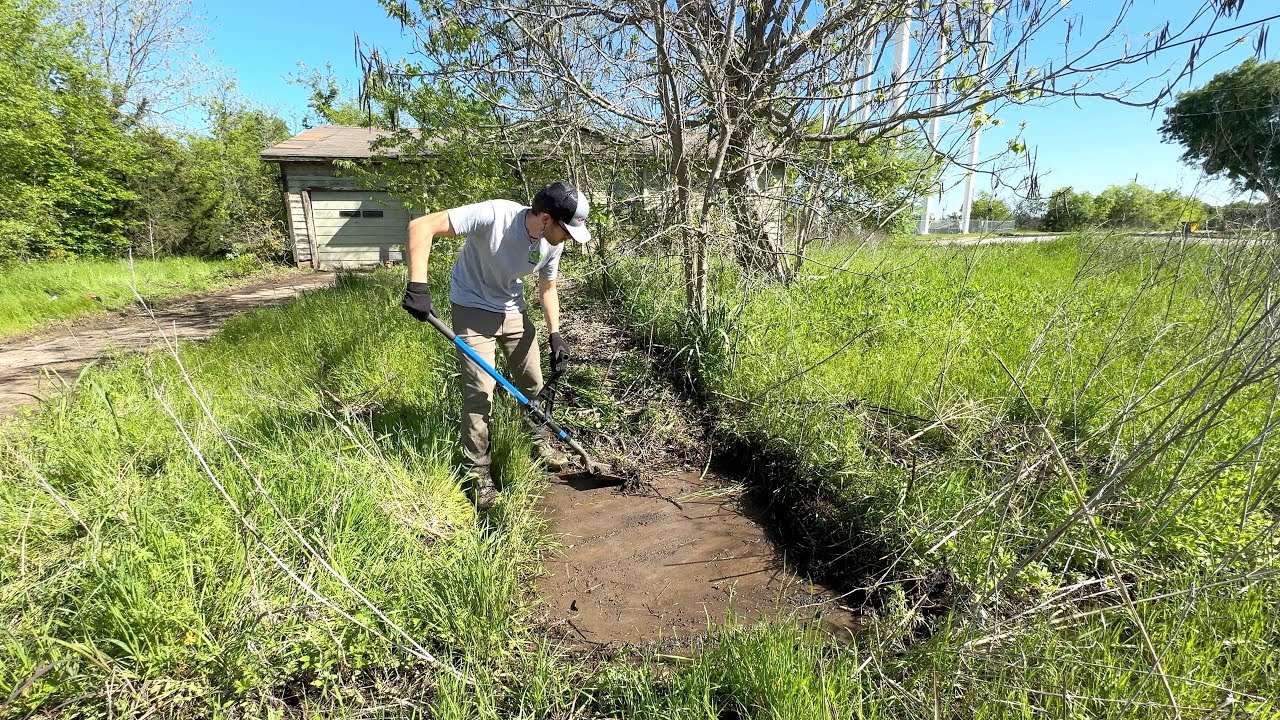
[(327, 142)]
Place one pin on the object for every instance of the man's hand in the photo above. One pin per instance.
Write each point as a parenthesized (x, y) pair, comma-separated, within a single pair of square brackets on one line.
[(417, 301), (559, 350)]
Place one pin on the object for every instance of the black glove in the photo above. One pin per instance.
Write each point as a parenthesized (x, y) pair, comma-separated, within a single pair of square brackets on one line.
[(417, 301), (559, 350)]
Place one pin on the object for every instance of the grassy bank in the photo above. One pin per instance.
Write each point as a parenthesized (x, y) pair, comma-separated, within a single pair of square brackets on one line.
[(39, 293), (1068, 444), (313, 552), (302, 543)]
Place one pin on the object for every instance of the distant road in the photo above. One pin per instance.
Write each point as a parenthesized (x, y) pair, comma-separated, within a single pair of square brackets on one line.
[(995, 239), (1017, 239)]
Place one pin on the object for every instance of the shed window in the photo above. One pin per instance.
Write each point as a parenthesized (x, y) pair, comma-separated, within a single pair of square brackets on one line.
[(373, 213), (349, 213)]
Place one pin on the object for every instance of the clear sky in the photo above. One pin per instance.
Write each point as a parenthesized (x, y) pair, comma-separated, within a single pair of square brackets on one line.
[(1092, 143), (1088, 145)]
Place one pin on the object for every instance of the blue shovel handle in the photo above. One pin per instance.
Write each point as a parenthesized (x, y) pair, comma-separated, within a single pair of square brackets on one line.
[(532, 408)]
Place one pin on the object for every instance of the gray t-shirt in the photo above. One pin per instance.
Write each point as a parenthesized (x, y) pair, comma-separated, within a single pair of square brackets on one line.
[(497, 253)]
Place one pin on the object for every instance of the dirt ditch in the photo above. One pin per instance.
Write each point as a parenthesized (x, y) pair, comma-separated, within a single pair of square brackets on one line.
[(684, 548)]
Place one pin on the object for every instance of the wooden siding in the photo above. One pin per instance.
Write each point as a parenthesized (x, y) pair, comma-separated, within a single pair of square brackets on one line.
[(332, 228), (303, 179)]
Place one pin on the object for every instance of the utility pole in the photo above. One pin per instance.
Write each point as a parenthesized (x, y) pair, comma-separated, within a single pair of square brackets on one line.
[(868, 79), (901, 62), (935, 125), (985, 24)]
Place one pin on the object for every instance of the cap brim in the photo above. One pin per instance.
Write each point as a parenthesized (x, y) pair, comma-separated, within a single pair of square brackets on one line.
[(579, 232)]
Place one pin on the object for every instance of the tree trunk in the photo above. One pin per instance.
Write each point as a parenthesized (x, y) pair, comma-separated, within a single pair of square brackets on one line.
[(757, 245)]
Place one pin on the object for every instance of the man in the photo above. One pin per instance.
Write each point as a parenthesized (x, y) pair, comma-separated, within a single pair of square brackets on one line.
[(505, 241)]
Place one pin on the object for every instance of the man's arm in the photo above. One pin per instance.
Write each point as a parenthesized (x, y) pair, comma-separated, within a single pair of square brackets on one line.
[(422, 230), (550, 304)]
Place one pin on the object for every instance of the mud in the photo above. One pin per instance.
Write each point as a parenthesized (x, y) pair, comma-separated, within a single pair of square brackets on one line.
[(667, 564), (677, 548)]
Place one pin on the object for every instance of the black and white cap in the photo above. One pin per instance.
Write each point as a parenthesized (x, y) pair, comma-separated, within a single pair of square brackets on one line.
[(568, 205)]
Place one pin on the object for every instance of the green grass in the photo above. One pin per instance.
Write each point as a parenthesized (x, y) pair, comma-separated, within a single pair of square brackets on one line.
[(129, 583), (126, 568), (39, 293), (911, 400), (937, 354)]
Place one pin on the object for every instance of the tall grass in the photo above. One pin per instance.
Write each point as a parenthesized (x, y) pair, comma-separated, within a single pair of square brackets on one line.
[(341, 557), (270, 524), (38, 293), (1028, 439)]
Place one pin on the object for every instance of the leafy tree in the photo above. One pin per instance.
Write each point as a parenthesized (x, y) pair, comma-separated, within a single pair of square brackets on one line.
[(1176, 208), (166, 180), (332, 104), (1030, 211), (235, 196), (64, 161), (1231, 126), (1127, 206), (1239, 214), (1068, 210), (1136, 206), (846, 186), (989, 207)]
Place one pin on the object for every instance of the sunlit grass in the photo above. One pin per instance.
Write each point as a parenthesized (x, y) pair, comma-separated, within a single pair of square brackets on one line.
[(343, 534), (343, 572), (953, 408), (35, 294)]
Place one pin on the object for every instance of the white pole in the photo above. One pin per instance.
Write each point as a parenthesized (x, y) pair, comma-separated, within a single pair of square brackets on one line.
[(901, 60), (969, 182), (868, 79), (935, 125), (973, 148)]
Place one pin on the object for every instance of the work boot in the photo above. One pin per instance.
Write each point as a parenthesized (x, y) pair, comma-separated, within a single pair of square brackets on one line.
[(544, 449), (481, 488)]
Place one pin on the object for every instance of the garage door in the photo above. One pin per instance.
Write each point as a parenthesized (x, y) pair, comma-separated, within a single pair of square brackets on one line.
[(357, 227)]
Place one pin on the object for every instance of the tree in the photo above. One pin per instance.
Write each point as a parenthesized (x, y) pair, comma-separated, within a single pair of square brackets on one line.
[(234, 195), (1239, 215), (1231, 126), (989, 207), (64, 162), (333, 105), (1069, 210), (144, 48), (728, 91), (1030, 212)]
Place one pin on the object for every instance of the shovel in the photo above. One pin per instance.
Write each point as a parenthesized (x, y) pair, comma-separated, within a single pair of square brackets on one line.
[(533, 408)]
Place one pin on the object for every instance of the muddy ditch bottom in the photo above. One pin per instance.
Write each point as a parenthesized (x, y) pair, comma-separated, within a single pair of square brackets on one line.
[(664, 566)]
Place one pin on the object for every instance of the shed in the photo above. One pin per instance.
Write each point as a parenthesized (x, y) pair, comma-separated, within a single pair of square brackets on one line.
[(333, 223)]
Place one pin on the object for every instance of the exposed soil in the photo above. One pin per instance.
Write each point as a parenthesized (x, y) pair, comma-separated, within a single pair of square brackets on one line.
[(666, 564), (36, 366), (679, 547)]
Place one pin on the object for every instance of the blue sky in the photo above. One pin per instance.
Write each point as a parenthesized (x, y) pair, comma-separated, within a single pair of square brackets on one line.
[(1088, 145)]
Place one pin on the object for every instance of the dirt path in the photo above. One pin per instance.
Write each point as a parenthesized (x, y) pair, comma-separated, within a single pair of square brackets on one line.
[(31, 365), (686, 550)]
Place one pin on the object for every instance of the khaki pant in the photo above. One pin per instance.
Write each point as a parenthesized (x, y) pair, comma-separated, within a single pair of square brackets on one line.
[(483, 331)]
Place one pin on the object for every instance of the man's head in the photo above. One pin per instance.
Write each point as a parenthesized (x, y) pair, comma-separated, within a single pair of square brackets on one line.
[(566, 207)]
